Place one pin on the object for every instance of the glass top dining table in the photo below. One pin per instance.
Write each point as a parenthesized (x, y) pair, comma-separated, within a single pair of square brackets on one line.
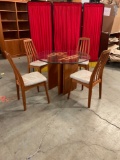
[(60, 66), (60, 57)]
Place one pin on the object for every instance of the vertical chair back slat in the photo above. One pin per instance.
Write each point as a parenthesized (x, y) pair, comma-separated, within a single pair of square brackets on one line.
[(30, 50), (83, 46), (98, 70), (83, 49), (16, 72)]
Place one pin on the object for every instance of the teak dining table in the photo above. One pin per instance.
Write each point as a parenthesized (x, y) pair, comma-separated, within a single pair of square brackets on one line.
[(60, 66)]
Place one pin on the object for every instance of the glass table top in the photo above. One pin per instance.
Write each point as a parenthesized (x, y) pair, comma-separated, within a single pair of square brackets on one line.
[(74, 57)]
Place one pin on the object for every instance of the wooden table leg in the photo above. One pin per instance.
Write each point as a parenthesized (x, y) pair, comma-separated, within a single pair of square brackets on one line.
[(60, 78), (67, 70), (52, 75), (59, 75)]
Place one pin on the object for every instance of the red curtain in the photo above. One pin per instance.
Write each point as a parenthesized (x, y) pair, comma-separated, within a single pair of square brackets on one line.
[(40, 19), (92, 26), (67, 23)]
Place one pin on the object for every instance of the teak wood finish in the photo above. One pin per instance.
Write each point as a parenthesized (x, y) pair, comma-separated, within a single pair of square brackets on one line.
[(96, 76), (67, 70), (14, 27), (84, 49), (20, 82), (59, 75), (31, 54)]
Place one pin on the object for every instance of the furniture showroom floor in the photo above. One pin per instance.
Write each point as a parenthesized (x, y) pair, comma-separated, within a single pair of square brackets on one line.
[(64, 129)]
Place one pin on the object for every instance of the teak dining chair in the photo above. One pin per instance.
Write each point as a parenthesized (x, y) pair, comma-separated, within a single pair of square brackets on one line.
[(31, 53), (90, 79), (27, 81), (83, 48)]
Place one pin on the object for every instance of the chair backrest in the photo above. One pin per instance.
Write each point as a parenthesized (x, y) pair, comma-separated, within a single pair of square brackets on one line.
[(30, 50), (83, 46), (98, 70), (16, 72)]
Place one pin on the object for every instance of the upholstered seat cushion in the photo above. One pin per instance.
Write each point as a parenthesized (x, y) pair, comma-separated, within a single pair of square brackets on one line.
[(84, 62), (38, 63), (82, 75), (33, 78)]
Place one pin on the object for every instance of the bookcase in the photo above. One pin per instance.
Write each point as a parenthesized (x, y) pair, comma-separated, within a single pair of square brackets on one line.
[(14, 27)]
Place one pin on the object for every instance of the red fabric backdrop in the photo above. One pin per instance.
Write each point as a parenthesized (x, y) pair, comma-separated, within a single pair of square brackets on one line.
[(40, 19), (92, 26), (67, 24)]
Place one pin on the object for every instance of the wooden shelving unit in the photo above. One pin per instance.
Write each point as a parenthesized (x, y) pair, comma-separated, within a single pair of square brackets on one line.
[(14, 27), (110, 41)]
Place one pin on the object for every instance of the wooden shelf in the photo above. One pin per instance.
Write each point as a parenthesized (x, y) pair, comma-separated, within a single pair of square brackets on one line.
[(14, 27), (7, 6), (7, 16), (22, 11), (9, 30), (9, 26), (23, 25), (24, 33), (22, 20), (22, 16), (10, 35), (105, 43), (21, 7), (23, 30), (7, 11), (8, 21)]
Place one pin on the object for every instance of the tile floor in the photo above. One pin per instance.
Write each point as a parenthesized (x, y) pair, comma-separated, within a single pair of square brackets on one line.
[(64, 129)]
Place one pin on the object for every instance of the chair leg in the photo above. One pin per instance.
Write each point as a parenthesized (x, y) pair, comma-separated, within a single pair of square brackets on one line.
[(85, 67), (89, 96), (24, 99), (39, 69), (100, 89), (70, 88), (28, 69), (46, 92), (38, 88), (88, 67), (18, 94), (81, 87)]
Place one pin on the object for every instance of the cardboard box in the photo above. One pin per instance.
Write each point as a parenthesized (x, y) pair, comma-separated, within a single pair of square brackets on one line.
[(111, 19)]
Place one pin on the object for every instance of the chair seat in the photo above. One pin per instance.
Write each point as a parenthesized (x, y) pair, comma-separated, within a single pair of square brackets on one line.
[(84, 63), (33, 78), (82, 75), (38, 63)]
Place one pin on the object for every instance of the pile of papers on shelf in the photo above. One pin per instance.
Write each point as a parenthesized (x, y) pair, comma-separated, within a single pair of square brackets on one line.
[(113, 39), (114, 53)]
